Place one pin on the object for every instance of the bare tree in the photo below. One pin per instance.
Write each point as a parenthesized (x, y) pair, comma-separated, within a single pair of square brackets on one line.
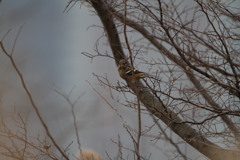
[(192, 54)]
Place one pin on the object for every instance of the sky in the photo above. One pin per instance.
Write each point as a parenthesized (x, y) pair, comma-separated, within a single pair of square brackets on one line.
[(48, 52)]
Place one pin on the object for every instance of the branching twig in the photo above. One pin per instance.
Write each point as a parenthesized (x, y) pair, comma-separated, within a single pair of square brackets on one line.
[(33, 104)]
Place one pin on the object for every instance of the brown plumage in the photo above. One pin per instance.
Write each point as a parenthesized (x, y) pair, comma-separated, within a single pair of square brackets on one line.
[(128, 72)]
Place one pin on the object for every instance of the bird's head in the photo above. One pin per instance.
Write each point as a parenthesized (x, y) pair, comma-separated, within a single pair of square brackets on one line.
[(123, 63)]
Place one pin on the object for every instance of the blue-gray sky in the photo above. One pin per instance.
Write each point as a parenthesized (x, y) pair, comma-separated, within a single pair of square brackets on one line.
[(48, 53)]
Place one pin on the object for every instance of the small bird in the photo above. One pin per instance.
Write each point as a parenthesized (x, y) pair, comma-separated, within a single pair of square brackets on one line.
[(128, 72)]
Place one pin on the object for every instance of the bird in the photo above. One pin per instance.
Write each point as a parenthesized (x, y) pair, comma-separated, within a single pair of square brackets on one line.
[(127, 72)]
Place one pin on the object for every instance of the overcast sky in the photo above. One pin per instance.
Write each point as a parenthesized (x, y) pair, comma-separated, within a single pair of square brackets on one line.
[(48, 53)]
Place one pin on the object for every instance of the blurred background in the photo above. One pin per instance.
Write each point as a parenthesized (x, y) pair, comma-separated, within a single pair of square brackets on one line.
[(49, 55)]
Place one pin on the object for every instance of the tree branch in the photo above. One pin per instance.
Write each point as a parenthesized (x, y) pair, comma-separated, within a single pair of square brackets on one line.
[(153, 105)]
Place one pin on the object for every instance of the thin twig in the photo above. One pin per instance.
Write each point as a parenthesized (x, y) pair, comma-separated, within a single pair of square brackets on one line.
[(72, 105), (125, 32), (139, 129), (15, 41), (33, 104)]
